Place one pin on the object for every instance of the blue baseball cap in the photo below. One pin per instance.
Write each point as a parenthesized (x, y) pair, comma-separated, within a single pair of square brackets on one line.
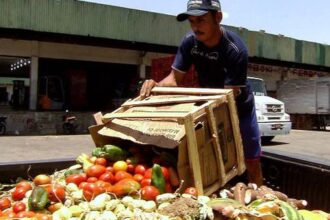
[(199, 8)]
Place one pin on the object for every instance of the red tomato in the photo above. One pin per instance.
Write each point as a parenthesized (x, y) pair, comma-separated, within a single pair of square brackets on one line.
[(148, 173), (191, 191), (168, 188), (18, 193), (109, 169), (19, 207), (140, 169), (149, 193), (145, 182), (41, 216), (9, 214), (91, 190), (95, 170), (54, 207), (76, 178), (82, 185), (56, 193), (42, 179), (5, 203), (107, 177), (138, 177), (26, 214), (101, 161), (92, 179), (122, 175), (24, 184), (166, 173), (130, 168)]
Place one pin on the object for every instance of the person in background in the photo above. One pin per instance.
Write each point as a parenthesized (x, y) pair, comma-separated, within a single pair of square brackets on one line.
[(220, 59)]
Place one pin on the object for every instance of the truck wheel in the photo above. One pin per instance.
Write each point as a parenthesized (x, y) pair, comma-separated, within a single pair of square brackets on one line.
[(266, 139)]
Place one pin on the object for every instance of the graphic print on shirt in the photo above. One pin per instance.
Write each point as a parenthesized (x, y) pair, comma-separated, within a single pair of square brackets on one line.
[(195, 51)]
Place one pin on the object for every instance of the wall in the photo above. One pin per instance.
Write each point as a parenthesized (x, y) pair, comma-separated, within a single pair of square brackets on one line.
[(44, 123)]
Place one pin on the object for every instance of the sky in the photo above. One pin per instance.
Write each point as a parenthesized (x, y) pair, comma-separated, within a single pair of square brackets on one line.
[(299, 19)]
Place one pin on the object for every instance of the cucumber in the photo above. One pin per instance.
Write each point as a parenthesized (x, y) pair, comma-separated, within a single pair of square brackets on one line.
[(114, 153)]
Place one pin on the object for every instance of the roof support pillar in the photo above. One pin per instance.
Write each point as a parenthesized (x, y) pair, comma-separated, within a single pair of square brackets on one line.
[(34, 83)]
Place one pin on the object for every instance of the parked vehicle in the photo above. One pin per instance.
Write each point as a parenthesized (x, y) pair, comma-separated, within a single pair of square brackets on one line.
[(271, 116), (3, 125), (308, 101), (69, 123)]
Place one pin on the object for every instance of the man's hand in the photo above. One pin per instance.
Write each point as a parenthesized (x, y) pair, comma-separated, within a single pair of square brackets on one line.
[(147, 87)]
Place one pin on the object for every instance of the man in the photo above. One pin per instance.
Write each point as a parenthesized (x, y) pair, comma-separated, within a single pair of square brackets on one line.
[(220, 59)]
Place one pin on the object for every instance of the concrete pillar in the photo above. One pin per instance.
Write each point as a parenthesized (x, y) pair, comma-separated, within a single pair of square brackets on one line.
[(34, 83), (142, 64), (142, 71)]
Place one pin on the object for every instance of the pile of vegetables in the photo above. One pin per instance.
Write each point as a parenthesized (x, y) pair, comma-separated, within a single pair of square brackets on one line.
[(138, 183)]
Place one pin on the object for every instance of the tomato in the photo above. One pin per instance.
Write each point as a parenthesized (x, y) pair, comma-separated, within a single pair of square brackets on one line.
[(109, 169), (95, 170), (107, 177), (149, 193), (119, 166), (54, 207), (168, 188), (104, 186), (122, 175), (42, 216), (191, 191), (76, 178), (42, 179), (140, 169), (92, 179), (138, 177), (82, 185), (130, 168), (145, 182), (56, 193), (91, 190), (5, 203), (101, 161), (165, 173), (19, 207), (24, 184), (18, 193), (8, 214), (25, 214), (148, 173)]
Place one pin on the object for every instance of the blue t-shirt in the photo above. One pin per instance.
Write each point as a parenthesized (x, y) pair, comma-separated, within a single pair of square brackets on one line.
[(223, 64)]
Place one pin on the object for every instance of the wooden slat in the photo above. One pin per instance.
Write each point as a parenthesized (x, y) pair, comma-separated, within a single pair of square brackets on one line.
[(216, 143), (174, 100), (193, 153), (199, 91), (237, 134), (110, 116), (211, 189)]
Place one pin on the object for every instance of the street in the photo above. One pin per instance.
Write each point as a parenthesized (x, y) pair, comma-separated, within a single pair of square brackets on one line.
[(313, 146)]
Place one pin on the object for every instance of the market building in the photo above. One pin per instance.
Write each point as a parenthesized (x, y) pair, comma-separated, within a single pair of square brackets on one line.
[(88, 57)]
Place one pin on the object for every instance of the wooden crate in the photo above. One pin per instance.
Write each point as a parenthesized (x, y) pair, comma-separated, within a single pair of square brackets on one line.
[(211, 153)]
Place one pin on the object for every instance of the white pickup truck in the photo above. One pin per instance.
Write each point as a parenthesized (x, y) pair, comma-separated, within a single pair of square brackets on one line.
[(271, 116)]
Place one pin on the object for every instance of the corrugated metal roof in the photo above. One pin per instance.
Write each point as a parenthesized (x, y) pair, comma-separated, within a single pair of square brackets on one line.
[(104, 21)]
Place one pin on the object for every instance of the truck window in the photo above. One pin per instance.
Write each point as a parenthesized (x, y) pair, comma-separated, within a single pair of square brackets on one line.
[(258, 87)]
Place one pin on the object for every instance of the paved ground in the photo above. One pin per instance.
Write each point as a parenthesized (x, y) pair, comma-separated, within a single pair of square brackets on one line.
[(25, 148), (313, 146), (309, 145)]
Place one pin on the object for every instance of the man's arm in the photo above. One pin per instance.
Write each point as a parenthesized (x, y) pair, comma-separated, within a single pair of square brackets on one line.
[(172, 80)]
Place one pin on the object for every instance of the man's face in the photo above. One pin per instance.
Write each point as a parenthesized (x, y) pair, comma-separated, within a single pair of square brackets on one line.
[(205, 26)]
